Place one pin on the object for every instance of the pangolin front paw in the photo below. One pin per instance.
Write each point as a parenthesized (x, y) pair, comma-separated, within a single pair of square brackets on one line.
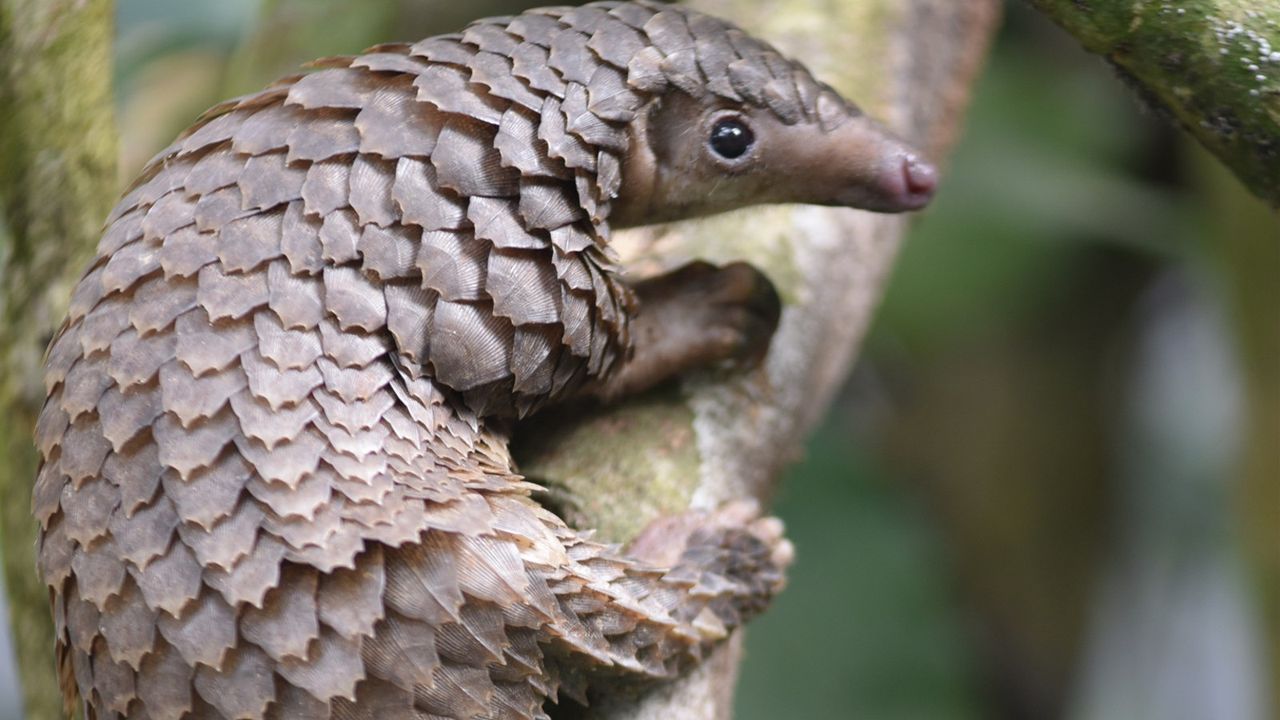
[(730, 312)]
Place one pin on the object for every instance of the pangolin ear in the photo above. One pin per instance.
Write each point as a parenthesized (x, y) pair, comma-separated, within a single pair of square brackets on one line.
[(661, 120), (674, 129), (647, 122)]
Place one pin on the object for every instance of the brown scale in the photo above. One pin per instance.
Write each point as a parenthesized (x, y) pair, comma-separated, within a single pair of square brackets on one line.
[(275, 481)]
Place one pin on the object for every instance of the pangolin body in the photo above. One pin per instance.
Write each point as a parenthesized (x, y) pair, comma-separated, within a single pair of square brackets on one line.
[(272, 483)]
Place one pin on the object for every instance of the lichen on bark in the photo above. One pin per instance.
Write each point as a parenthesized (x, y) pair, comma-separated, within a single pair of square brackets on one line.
[(1213, 66)]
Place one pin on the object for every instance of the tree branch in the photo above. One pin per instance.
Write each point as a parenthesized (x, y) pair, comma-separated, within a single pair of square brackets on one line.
[(58, 154), (908, 62), (1212, 65)]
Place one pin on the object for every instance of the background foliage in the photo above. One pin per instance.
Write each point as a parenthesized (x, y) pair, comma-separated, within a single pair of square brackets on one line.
[(1051, 487)]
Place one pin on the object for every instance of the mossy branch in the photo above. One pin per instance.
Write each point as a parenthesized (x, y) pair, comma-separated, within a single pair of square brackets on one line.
[(1211, 65), (57, 181)]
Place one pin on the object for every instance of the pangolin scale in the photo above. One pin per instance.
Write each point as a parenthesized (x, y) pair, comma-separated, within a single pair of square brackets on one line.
[(275, 481)]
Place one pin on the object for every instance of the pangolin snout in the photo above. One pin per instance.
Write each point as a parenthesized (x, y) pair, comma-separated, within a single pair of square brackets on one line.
[(866, 166), (897, 181)]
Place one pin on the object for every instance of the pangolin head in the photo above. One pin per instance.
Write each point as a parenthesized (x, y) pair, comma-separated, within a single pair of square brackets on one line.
[(731, 122)]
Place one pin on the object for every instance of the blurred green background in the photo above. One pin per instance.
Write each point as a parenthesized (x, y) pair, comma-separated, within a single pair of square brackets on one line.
[(1050, 489)]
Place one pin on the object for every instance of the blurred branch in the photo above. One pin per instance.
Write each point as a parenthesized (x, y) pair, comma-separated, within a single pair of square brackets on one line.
[(291, 32), (1212, 65), (58, 154), (287, 33), (722, 438), (1247, 265)]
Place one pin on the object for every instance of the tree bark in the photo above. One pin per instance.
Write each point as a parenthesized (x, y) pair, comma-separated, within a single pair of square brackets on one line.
[(1212, 66), (910, 63), (57, 181)]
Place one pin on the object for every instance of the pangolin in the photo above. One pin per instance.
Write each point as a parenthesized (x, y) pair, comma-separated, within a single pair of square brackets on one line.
[(275, 481)]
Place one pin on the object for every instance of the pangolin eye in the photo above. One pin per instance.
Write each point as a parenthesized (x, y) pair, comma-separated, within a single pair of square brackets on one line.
[(731, 138)]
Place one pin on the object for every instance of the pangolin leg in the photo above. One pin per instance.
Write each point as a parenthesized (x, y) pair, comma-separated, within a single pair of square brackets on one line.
[(692, 317)]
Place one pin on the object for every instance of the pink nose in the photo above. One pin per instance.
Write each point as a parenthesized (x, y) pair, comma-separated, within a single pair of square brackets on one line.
[(906, 183), (921, 177), (918, 182)]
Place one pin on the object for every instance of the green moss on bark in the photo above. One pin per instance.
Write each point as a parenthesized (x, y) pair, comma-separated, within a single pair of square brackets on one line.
[(1211, 65), (614, 471)]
